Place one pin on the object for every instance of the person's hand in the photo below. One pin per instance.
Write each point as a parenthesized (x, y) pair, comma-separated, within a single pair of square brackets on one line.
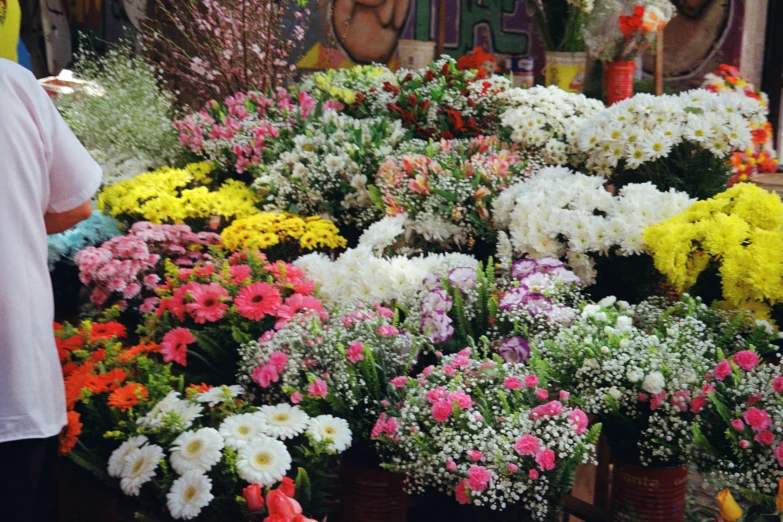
[(368, 29), (57, 222)]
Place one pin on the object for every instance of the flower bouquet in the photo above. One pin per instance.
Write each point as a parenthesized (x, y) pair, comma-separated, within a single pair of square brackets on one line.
[(326, 167), (178, 196), (616, 32), (365, 274), (506, 310), (560, 23), (125, 270), (219, 304), (447, 192), (194, 446), (760, 157), (486, 432), (739, 430), (562, 214), (547, 119), (282, 236), (339, 365), (360, 89), (727, 247), (679, 142), (440, 101)]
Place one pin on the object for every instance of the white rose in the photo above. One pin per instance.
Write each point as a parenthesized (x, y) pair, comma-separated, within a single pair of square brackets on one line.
[(654, 383), (607, 301), (625, 343), (614, 393), (624, 323)]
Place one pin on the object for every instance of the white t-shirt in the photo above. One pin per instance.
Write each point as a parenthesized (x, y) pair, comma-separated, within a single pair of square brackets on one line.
[(43, 167)]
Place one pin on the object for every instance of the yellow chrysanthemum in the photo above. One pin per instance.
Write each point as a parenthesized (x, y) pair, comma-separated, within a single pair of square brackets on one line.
[(261, 231)]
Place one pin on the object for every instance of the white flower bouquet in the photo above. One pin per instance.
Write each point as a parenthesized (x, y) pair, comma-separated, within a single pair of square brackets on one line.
[(562, 214), (642, 384)]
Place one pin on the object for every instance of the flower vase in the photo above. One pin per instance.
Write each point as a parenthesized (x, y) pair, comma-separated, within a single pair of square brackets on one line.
[(618, 81), (649, 494), (566, 70), (371, 494)]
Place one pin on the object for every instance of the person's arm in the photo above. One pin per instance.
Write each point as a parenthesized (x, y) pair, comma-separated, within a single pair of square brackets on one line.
[(57, 222)]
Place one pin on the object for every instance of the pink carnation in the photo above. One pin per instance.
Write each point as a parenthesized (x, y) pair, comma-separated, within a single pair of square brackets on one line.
[(722, 370), (512, 468), (451, 466), (462, 399), (278, 360), (435, 395), (738, 425), (428, 370), (387, 330), (579, 419), (746, 360), (296, 397), (318, 388), (550, 409), (757, 419), (265, 375), (744, 444), (779, 453), (527, 445), (461, 492), (542, 394), (475, 455), (765, 437), (400, 382), (478, 478), (777, 384), (564, 395), (533, 474), (512, 383), (377, 430), (355, 352), (545, 459), (531, 381), (441, 411), (698, 403)]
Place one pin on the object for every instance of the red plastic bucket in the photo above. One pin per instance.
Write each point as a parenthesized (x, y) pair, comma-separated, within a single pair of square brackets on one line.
[(649, 494), (618, 81), (369, 494)]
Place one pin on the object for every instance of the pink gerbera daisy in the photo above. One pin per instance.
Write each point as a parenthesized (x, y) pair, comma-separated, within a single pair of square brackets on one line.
[(298, 303), (208, 303), (257, 300), (175, 345)]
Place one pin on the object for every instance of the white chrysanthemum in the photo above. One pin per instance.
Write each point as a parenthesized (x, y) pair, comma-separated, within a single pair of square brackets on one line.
[(283, 421), (171, 410), (383, 233), (117, 459), (189, 494), (238, 430), (140, 466), (263, 461), (196, 450), (218, 394), (335, 429)]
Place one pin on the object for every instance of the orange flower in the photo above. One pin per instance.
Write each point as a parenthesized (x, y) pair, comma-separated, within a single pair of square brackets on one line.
[(75, 382), (98, 356), (195, 389), (69, 436), (128, 396), (105, 383), (107, 331), (139, 349)]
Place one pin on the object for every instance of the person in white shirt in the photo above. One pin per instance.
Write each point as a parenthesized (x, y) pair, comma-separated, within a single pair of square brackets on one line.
[(47, 180)]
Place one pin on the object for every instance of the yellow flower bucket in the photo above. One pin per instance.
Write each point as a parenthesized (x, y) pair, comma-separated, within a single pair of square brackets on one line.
[(566, 70)]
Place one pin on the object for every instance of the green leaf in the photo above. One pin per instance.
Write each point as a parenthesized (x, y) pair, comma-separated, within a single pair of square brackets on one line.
[(449, 196), (304, 492), (722, 409)]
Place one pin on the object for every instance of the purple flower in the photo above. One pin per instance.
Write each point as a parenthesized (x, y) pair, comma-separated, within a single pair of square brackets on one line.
[(436, 326), (437, 300), (537, 303), (537, 282), (523, 268), (431, 281), (463, 277), (548, 264), (514, 350), (514, 298)]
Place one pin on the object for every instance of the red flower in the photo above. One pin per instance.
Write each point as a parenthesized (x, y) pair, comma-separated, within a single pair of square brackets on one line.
[(253, 497), (107, 331), (456, 120), (283, 508), (257, 300), (69, 435), (127, 396), (288, 487)]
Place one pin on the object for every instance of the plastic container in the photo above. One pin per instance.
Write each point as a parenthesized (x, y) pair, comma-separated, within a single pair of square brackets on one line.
[(566, 70)]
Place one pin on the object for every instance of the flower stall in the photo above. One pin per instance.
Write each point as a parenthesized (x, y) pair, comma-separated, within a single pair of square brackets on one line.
[(391, 295)]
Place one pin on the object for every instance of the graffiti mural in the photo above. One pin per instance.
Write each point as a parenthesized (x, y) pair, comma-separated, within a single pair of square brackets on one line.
[(368, 30)]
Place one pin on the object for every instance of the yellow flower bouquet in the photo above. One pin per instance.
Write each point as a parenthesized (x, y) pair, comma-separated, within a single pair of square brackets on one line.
[(739, 233), (171, 195), (283, 234)]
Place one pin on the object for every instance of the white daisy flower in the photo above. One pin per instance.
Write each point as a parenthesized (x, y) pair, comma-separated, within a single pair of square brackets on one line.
[(238, 430), (189, 494), (263, 461), (117, 459), (218, 394), (196, 450), (283, 421), (140, 466), (332, 429), (171, 411)]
